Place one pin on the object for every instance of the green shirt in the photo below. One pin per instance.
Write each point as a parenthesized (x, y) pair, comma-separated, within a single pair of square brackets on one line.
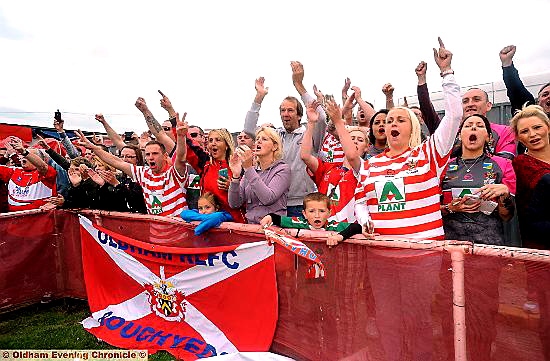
[(301, 223)]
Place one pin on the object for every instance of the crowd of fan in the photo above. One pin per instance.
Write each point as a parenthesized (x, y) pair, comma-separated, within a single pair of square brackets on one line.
[(351, 168)]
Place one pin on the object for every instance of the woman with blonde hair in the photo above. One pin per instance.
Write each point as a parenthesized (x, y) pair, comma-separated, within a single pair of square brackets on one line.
[(263, 187), (532, 129), (398, 194), (213, 168)]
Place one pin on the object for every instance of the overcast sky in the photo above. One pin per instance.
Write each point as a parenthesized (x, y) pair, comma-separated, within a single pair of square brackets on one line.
[(91, 57)]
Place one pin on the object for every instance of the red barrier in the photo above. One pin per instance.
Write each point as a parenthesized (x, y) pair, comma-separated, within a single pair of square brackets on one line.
[(374, 304)]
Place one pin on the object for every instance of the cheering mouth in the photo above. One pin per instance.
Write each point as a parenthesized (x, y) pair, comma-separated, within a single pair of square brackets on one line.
[(394, 133), (472, 138)]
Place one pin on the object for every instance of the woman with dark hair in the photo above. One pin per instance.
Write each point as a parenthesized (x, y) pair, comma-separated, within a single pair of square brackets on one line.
[(478, 187), (478, 190), (377, 134), (130, 191)]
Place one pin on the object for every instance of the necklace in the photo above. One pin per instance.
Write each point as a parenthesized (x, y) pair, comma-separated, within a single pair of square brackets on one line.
[(468, 169)]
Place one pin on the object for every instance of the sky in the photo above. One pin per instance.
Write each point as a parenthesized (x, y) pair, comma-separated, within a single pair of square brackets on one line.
[(99, 57)]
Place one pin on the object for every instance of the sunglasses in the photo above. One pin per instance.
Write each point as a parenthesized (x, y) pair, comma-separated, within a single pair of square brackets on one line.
[(194, 135), (166, 129)]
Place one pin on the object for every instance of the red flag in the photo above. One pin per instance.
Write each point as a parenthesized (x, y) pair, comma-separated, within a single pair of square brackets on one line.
[(193, 303), (315, 269)]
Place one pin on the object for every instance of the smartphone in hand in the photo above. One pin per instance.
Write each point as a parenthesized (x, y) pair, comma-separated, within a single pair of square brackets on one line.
[(57, 116), (471, 199), (223, 173)]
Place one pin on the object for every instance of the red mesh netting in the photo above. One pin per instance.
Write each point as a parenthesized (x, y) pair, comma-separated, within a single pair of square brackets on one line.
[(374, 304)]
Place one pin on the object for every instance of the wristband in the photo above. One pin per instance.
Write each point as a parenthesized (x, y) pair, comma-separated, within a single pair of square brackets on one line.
[(235, 178), (446, 72), (172, 121)]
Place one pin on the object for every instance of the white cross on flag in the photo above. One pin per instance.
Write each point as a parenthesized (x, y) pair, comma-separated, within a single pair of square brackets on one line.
[(193, 303)]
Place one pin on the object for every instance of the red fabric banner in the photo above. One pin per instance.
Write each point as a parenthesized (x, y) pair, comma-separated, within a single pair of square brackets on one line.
[(192, 304)]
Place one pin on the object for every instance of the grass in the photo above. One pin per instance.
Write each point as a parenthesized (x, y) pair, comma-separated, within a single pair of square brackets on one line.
[(53, 326)]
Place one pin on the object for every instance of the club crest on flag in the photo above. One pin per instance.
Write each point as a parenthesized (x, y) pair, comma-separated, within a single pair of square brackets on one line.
[(166, 301)]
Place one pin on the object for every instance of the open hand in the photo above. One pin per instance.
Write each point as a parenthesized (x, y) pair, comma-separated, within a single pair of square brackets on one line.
[(297, 72), (96, 177), (312, 112), (261, 89), (333, 111)]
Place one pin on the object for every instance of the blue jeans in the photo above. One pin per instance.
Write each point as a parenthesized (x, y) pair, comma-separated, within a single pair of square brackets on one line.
[(294, 211)]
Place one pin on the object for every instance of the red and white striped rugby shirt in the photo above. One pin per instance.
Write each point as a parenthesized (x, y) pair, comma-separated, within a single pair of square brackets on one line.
[(331, 150), (28, 189), (164, 193), (401, 194)]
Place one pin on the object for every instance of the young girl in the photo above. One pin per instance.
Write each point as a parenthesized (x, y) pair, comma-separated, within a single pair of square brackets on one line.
[(209, 214)]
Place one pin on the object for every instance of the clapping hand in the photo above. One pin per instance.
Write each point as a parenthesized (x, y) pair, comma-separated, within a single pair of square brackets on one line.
[(312, 112)]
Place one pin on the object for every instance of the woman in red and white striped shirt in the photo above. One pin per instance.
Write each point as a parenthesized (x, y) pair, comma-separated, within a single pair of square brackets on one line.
[(399, 189), (398, 193)]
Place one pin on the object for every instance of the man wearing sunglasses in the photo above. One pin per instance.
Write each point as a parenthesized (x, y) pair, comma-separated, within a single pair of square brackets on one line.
[(196, 134)]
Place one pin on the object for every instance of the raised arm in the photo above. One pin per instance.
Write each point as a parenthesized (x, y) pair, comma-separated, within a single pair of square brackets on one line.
[(166, 104), (307, 142), (367, 109), (388, 89), (350, 150), (251, 120), (517, 92), (41, 166), (298, 81), (345, 88), (445, 134), (71, 149), (181, 145), (431, 118), (154, 125), (107, 157), (117, 139)]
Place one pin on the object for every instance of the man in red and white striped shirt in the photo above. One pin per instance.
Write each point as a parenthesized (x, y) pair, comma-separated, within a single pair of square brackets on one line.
[(163, 184)]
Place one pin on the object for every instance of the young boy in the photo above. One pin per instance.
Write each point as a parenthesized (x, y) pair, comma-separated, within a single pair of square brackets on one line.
[(316, 213)]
